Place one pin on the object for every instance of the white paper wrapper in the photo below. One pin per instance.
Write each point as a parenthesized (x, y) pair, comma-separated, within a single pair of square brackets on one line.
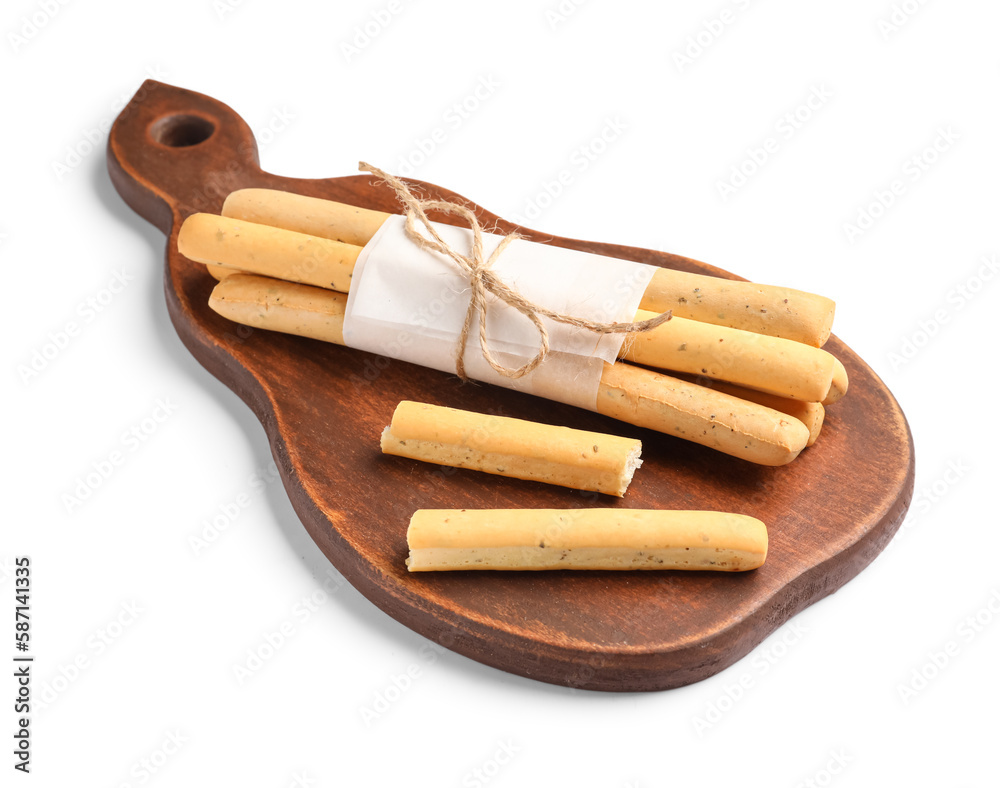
[(409, 304)]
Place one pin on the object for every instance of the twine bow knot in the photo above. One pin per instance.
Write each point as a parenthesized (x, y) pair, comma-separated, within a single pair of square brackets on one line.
[(483, 280)]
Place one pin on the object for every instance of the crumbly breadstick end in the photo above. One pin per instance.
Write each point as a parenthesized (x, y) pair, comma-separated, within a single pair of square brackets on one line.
[(512, 447), (533, 539)]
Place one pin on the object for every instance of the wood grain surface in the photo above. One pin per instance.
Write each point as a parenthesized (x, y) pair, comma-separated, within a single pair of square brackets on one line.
[(173, 152)]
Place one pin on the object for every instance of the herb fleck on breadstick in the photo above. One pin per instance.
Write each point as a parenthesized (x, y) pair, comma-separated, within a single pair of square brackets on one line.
[(532, 539)]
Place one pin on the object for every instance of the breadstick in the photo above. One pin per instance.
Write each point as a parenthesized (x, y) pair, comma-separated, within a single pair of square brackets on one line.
[(519, 539), (631, 394), (269, 251), (697, 414), (276, 305), (811, 414), (762, 309), (838, 388), (311, 215), (512, 447), (756, 361), (770, 364), (220, 272)]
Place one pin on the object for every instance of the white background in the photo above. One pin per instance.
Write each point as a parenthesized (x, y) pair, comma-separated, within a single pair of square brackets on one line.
[(823, 699)]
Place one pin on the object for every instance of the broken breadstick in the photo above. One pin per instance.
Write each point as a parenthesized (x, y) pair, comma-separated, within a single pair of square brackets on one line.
[(762, 309), (512, 447), (757, 361), (627, 393), (518, 539)]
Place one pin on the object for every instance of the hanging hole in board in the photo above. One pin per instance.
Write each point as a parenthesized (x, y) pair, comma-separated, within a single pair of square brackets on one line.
[(181, 130)]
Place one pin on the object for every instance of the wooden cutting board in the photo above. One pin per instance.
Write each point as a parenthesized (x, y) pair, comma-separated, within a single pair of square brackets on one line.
[(173, 152)]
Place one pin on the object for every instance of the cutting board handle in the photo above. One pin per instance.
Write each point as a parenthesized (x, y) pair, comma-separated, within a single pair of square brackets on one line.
[(173, 152)]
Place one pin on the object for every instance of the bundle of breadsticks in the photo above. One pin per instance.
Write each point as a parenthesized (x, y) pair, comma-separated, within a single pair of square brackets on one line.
[(743, 369)]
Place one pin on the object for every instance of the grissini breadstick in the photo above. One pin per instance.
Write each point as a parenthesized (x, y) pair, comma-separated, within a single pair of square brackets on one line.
[(733, 426), (276, 305), (812, 414), (631, 394), (311, 215), (756, 361), (765, 363), (762, 309), (512, 447), (838, 387), (269, 251), (532, 539), (220, 271)]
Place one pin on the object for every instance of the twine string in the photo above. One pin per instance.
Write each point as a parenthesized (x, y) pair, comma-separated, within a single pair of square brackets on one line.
[(484, 281)]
